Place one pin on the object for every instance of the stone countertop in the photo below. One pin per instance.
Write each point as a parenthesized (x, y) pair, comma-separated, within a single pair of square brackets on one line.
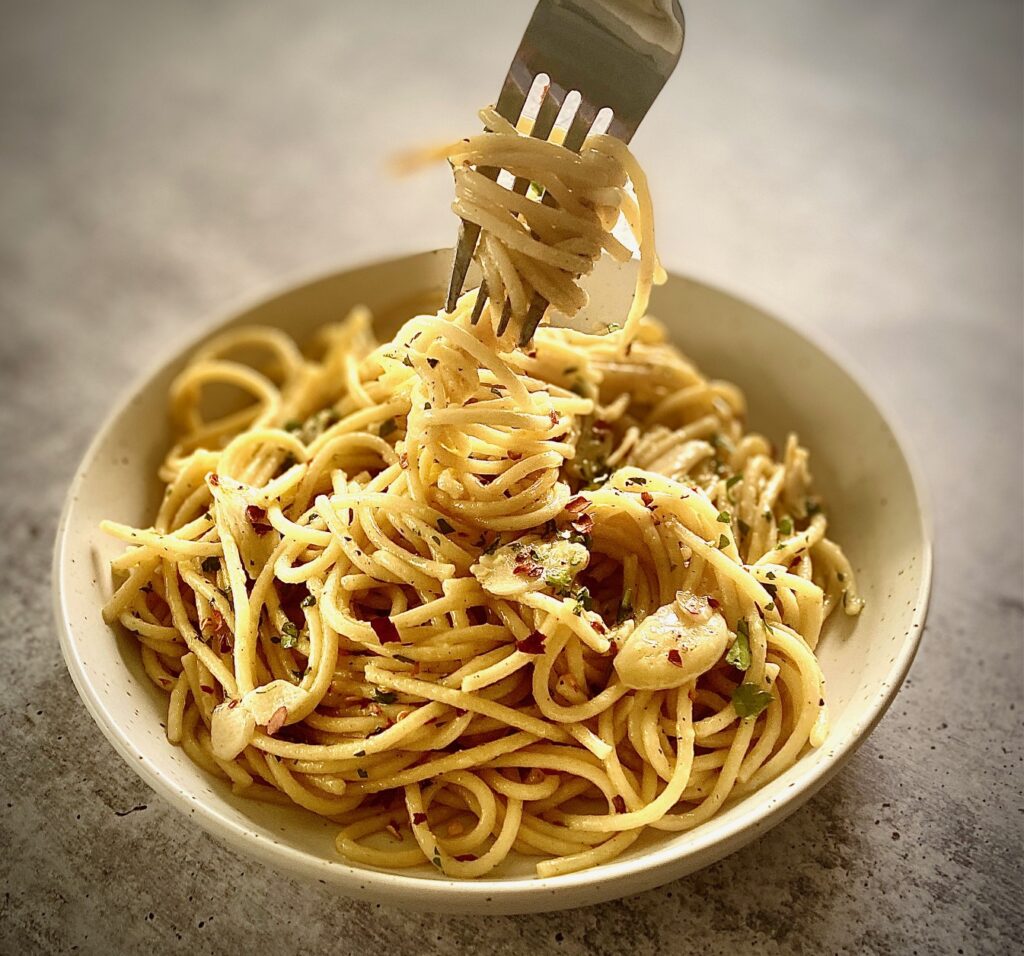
[(855, 168)]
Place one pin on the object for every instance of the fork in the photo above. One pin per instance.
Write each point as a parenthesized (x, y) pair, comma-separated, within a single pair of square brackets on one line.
[(617, 55)]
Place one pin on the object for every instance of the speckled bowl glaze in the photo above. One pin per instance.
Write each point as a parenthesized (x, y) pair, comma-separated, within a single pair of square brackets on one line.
[(874, 505)]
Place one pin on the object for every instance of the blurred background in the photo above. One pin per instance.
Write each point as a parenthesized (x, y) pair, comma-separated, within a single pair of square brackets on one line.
[(854, 167)]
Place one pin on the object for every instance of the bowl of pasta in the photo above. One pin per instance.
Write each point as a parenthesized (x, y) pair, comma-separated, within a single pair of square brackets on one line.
[(382, 605)]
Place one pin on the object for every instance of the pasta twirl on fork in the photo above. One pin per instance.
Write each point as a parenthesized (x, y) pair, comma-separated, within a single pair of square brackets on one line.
[(469, 600)]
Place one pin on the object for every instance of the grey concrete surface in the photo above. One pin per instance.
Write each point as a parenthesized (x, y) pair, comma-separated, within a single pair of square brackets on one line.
[(855, 167)]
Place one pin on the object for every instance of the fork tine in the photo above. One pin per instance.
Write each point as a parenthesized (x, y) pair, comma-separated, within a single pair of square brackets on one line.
[(551, 104), (510, 104), (506, 315), (481, 301), (581, 123), (538, 307)]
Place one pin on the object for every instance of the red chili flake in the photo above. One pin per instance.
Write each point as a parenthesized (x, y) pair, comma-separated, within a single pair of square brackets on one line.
[(232, 704), (471, 401), (691, 605), (554, 417), (647, 498), (599, 627), (584, 524), (258, 519), (619, 802), (403, 460), (528, 569), (418, 818), (533, 643), (713, 604), (465, 857), (515, 455), (577, 505), (675, 658), (277, 720), (213, 479), (795, 563), (385, 630)]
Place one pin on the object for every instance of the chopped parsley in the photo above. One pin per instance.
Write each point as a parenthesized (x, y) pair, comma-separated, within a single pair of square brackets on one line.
[(749, 700), (626, 607), (786, 525), (560, 579), (384, 696), (723, 543), (289, 635), (724, 517), (307, 601), (739, 653), (387, 427)]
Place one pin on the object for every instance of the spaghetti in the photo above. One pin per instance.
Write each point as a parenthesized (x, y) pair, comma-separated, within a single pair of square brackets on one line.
[(468, 600)]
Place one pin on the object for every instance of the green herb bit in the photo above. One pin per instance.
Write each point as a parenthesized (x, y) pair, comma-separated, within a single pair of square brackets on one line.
[(292, 425), (735, 479), (387, 427), (307, 601), (584, 602), (723, 543), (626, 607), (384, 696), (786, 526), (289, 635), (724, 517), (749, 700), (739, 653), (614, 327), (444, 527), (493, 546), (770, 575), (404, 659), (560, 579)]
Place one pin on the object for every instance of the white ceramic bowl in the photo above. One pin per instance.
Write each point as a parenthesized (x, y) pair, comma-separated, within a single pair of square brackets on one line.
[(874, 505)]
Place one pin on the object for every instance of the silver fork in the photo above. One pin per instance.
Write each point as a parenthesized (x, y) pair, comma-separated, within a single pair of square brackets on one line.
[(614, 53)]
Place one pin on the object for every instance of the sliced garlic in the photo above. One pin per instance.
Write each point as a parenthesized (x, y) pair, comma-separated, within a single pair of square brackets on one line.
[(231, 730), (265, 701), (541, 564), (673, 646)]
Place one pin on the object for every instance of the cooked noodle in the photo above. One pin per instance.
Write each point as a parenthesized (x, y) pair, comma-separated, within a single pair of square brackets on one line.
[(467, 600)]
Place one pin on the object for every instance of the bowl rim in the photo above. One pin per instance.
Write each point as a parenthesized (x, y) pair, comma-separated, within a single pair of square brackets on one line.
[(706, 844)]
